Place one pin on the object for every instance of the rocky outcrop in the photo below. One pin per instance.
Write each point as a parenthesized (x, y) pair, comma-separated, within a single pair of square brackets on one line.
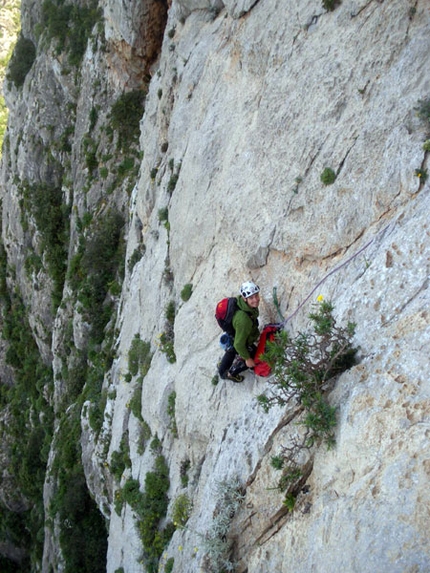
[(246, 105)]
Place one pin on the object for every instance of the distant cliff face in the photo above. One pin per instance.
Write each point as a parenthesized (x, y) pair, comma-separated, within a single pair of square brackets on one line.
[(154, 161), (9, 28)]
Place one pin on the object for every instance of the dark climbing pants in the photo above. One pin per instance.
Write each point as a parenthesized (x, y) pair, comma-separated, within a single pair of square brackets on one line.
[(228, 362)]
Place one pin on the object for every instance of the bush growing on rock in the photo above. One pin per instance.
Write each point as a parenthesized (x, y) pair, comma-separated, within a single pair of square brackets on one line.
[(304, 368), (186, 292), (21, 61), (423, 109), (304, 365), (328, 176), (181, 511), (330, 5)]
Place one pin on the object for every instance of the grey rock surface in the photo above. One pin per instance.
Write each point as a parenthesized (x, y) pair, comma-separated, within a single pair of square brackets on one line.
[(247, 104)]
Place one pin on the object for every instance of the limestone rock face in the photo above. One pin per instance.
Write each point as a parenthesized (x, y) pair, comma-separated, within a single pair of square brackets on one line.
[(135, 30), (247, 104), (256, 113)]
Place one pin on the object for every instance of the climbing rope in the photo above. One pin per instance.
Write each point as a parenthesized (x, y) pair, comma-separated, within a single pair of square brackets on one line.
[(275, 298)]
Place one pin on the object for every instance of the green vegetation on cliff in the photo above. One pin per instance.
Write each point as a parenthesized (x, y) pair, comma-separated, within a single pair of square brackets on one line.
[(70, 25), (27, 427), (10, 24), (40, 416)]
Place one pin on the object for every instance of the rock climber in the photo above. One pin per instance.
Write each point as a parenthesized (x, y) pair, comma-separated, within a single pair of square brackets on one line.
[(240, 355)]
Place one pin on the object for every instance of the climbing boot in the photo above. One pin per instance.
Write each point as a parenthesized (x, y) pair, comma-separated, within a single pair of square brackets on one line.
[(234, 377)]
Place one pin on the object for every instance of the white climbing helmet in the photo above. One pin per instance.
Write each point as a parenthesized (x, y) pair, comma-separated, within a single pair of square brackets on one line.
[(248, 289)]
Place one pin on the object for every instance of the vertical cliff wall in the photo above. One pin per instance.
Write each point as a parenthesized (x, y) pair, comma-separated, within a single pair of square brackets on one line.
[(150, 166)]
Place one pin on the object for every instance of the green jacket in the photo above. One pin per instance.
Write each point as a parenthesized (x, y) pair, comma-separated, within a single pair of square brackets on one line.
[(245, 323)]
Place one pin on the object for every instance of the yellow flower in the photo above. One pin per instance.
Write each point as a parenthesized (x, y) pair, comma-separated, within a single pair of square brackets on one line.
[(320, 298), (180, 548)]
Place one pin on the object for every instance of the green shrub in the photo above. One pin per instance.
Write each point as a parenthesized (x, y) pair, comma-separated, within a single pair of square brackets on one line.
[(83, 535), (421, 174), (146, 430), (168, 277), (153, 173), (13, 528), (96, 412), (114, 288), (166, 338), (33, 264), (125, 166), (163, 214), (21, 61), (171, 408), (27, 436), (330, 5), (328, 176), (174, 176), (426, 145), (289, 501), (139, 356), (155, 445), (183, 472), (163, 217), (45, 204), (136, 403), (166, 344), (303, 365), (131, 493), (125, 117), (170, 312), (97, 364), (172, 182), (320, 419), (93, 269), (93, 117), (91, 160), (120, 459), (135, 257), (150, 507), (423, 109), (291, 474), (144, 434), (277, 462), (64, 141), (71, 26), (303, 368), (186, 292), (297, 182), (168, 568), (181, 510)]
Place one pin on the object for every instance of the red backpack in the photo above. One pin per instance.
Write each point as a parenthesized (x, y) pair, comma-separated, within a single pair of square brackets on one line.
[(224, 313), (268, 334)]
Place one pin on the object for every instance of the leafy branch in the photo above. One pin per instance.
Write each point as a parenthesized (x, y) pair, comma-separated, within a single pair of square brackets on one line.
[(304, 368)]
